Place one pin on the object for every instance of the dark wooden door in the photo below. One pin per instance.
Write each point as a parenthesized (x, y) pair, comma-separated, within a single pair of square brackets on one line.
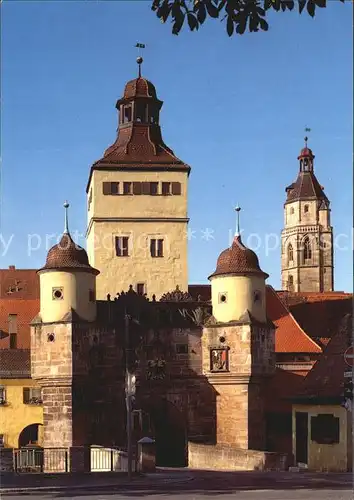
[(301, 437)]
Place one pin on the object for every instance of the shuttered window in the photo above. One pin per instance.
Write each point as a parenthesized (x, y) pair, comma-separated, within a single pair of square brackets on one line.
[(136, 187), (110, 188), (176, 188)]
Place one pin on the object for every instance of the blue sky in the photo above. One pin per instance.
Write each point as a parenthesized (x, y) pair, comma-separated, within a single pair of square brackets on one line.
[(234, 109)]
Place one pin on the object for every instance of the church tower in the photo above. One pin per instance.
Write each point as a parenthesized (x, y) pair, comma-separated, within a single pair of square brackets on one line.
[(307, 237), (137, 203)]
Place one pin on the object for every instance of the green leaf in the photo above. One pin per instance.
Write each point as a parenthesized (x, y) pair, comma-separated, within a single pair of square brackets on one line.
[(241, 26), (177, 25), (230, 26), (201, 13), (302, 4), (212, 10), (192, 21), (263, 24), (311, 7)]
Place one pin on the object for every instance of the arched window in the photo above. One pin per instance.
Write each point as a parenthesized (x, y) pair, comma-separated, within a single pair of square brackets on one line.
[(290, 283), (306, 208), (292, 210), (307, 249), (290, 253)]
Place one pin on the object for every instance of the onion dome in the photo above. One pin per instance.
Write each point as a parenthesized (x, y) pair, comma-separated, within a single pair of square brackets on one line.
[(238, 259), (140, 87), (306, 152), (67, 254)]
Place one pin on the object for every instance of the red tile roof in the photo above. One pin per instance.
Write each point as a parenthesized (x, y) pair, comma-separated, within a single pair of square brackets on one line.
[(289, 336), (15, 363), (19, 284), (68, 255), (140, 87), (326, 378), (305, 187), (26, 310), (319, 314), (238, 259)]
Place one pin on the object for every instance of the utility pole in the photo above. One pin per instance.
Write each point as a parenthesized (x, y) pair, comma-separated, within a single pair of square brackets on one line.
[(129, 392)]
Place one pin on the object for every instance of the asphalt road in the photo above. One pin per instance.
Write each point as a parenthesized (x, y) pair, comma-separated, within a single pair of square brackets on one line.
[(195, 495)]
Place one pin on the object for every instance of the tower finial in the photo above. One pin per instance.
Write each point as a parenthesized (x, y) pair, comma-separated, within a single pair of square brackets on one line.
[(66, 226), (139, 59), (237, 210)]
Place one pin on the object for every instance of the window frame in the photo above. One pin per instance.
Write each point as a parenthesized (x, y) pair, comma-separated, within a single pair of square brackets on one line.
[(57, 289), (156, 248), (164, 191), (124, 249)]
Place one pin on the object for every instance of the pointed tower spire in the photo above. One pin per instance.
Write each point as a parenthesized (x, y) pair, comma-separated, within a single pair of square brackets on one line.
[(237, 210), (66, 224)]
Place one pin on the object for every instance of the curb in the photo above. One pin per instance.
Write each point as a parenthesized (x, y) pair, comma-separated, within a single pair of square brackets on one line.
[(139, 482)]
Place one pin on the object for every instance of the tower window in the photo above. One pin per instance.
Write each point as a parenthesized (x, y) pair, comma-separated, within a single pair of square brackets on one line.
[(222, 298), (127, 114), (182, 348), (307, 251), (306, 208), (122, 246), (127, 188), (137, 188), (154, 186), (140, 288), (292, 210), (156, 248), (290, 253), (140, 112), (111, 188), (92, 297), (57, 293), (257, 296), (166, 188), (176, 188), (290, 283)]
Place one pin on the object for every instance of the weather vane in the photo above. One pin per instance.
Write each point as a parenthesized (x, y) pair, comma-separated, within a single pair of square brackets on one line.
[(139, 59)]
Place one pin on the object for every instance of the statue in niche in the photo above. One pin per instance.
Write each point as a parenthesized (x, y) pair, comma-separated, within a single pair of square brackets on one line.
[(219, 360)]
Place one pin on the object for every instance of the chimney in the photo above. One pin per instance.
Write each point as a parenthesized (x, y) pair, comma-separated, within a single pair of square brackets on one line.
[(12, 268)]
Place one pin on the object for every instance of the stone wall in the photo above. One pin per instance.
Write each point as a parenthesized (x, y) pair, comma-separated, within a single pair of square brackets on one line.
[(226, 457)]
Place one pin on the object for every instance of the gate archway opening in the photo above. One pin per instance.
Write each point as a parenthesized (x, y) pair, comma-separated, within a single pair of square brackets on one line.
[(165, 423)]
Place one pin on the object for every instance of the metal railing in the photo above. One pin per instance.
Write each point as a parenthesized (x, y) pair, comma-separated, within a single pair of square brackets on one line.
[(41, 460), (55, 460)]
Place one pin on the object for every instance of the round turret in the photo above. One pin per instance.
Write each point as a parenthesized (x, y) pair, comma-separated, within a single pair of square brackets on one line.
[(67, 281), (238, 284)]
